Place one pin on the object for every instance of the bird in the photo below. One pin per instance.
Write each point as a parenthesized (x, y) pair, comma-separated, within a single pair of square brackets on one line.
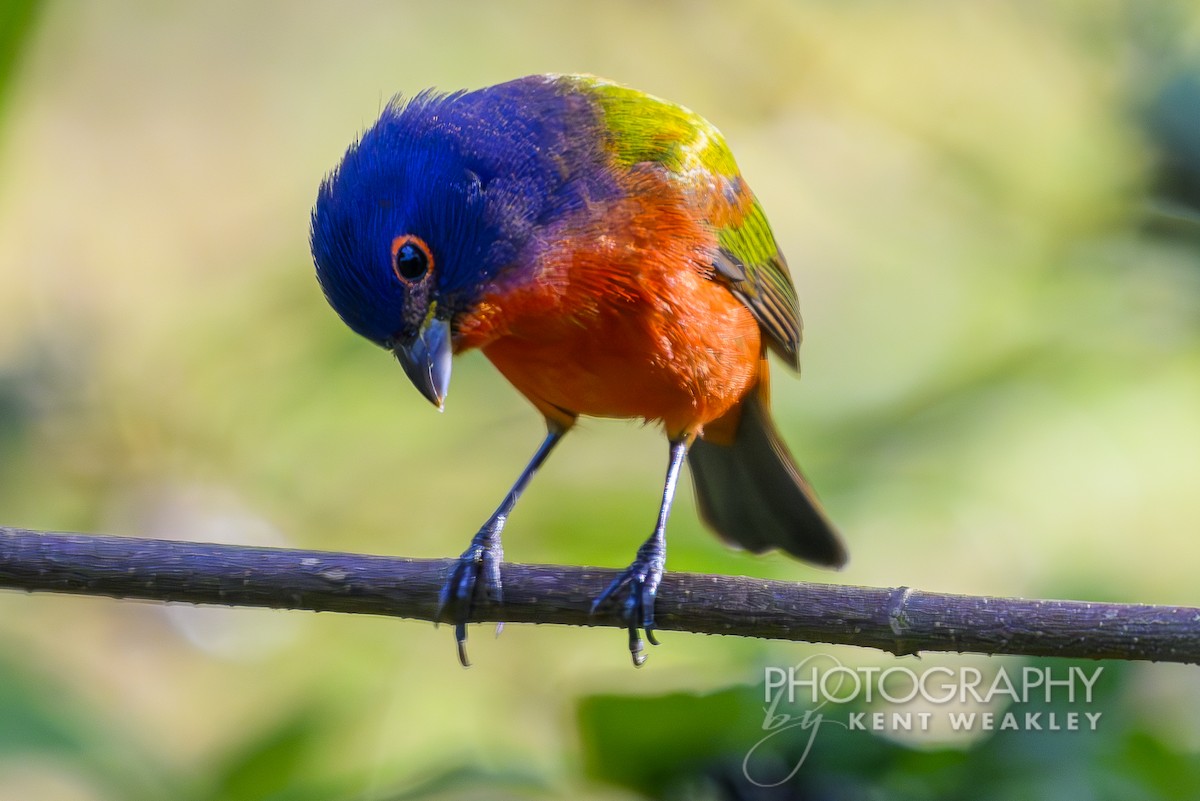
[(600, 246)]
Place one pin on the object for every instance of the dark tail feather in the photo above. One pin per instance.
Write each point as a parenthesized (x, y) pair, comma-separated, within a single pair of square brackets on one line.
[(752, 493)]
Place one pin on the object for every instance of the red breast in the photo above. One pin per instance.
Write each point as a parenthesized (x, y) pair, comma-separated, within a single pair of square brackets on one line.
[(619, 318)]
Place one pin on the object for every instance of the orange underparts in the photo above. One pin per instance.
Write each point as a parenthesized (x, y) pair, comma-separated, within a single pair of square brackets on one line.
[(618, 317)]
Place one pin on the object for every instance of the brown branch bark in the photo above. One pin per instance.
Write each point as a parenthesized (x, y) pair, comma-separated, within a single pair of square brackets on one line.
[(902, 621)]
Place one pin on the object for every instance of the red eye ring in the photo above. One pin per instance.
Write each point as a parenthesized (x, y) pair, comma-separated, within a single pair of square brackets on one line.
[(411, 259)]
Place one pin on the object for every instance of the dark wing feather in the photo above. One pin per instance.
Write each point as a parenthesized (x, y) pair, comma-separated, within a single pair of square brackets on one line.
[(749, 261)]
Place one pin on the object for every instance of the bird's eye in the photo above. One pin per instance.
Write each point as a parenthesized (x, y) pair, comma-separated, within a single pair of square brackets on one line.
[(411, 258)]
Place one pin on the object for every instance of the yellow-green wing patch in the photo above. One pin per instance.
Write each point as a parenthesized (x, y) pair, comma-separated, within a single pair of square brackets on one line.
[(643, 129), (766, 287)]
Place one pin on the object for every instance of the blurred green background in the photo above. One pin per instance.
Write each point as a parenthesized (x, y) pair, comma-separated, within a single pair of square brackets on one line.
[(990, 212)]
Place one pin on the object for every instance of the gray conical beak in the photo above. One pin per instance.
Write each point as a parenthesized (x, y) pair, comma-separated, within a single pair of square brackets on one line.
[(426, 360)]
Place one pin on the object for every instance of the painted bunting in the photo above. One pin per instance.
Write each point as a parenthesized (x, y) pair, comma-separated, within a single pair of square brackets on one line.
[(602, 249)]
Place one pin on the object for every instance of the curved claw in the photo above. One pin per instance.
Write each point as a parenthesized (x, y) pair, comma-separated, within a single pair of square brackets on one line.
[(643, 576), (462, 647), (478, 568), (640, 581)]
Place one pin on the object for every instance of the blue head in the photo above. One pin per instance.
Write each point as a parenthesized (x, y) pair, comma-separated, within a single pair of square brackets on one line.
[(439, 197)]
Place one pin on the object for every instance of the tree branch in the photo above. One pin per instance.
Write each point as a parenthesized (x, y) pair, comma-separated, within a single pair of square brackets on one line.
[(902, 621)]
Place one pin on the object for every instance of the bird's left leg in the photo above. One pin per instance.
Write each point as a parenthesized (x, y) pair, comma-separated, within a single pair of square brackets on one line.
[(482, 558), (640, 580)]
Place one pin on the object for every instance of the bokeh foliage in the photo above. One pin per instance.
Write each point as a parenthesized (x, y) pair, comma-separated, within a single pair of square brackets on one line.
[(990, 212)]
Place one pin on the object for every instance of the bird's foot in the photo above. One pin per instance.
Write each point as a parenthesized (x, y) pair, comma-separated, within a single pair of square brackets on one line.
[(639, 583), (477, 571)]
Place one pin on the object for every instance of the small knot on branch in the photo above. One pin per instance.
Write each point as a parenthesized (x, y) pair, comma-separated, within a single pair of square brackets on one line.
[(897, 618)]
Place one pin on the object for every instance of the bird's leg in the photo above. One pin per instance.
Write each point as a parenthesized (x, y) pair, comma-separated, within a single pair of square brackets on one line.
[(640, 580), (482, 558)]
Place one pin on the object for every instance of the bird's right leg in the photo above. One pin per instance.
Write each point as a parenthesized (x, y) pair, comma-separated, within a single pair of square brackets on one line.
[(478, 569)]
